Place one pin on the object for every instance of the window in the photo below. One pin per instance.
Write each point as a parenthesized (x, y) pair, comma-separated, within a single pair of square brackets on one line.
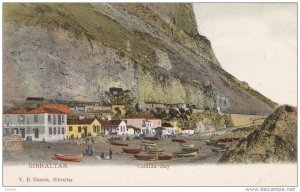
[(63, 130), (49, 118), (70, 128), (21, 119), (143, 123), (16, 131), (94, 128), (63, 119), (6, 119), (50, 130), (54, 119), (79, 129), (98, 128), (58, 130), (35, 118), (59, 119), (54, 130), (36, 133)]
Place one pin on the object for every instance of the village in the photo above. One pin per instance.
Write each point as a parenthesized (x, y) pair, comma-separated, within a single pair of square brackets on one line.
[(106, 131)]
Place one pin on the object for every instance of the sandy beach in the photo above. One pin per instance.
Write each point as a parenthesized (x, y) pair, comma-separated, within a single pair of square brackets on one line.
[(43, 152)]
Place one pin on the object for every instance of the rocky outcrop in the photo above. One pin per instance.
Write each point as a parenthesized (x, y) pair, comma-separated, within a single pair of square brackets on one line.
[(276, 141), (78, 51)]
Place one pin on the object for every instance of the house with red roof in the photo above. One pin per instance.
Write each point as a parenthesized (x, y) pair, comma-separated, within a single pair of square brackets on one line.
[(187, 131), (145, 123), (114, 127), (43, 123)]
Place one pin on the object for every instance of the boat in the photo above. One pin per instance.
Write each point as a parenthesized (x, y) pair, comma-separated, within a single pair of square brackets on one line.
[(178, 140), (156, 151), (145, 157), (187, 146), (185, 154), (165, 157), (149, 143), (151, 138), (131, 151), (75, 158), (119, 144), (190, 150)]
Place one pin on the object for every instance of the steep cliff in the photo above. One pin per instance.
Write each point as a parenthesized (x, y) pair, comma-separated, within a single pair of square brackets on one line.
[(78, 51), (276, 141)]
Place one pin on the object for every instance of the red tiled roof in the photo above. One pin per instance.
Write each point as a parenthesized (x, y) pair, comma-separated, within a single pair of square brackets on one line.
[(132, 127), (110, 122), (80, 121), (38, 110), (59, 107), (140, 116)]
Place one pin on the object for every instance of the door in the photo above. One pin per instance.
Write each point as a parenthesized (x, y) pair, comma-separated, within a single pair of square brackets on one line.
[(36, 133), (85, 131), (22, 133)]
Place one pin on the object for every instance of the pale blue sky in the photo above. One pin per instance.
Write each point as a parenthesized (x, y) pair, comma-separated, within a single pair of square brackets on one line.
[(256, 42)]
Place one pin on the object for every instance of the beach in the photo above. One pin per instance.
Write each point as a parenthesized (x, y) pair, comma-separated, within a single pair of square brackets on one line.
[(42, 152)]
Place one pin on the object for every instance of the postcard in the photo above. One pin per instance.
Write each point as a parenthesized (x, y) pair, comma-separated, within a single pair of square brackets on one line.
[(149, 94)]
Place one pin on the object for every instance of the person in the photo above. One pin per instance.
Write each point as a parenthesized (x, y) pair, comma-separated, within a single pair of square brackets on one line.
[(102, 155), (110, 153), (89, 150)]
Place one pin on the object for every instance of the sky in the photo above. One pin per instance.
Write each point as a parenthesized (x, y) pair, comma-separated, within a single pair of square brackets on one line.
[(255, 42)]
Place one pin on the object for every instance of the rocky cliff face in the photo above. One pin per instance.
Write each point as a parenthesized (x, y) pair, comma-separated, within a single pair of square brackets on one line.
[(276, 141), (78, 51)]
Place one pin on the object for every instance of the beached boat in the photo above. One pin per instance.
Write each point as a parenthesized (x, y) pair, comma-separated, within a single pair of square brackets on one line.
[(119, 144), (145, 157), (132, 151), (75, 158), (147, 143), (190, 150), (178, 140), (185, 154), (165, 157), (156, 151), (187, 146), (151, 138)]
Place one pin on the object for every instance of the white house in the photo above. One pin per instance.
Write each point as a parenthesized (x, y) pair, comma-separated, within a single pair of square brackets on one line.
[(37, 124), (146, 123), (187, 131), (132, 130), (114, 127), (168, 129)]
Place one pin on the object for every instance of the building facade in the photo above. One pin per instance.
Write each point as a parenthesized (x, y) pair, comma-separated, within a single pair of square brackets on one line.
[(81, 128), (187, 131), (36, 124), (146, 123), (168, 129), (114, 127)]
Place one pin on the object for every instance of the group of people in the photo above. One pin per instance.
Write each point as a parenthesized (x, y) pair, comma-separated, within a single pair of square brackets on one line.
[(107, 156), (89, 151)]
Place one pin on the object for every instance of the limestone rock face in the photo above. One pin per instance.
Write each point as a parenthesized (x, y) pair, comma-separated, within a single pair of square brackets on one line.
[(79, 51), (275, 142)]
